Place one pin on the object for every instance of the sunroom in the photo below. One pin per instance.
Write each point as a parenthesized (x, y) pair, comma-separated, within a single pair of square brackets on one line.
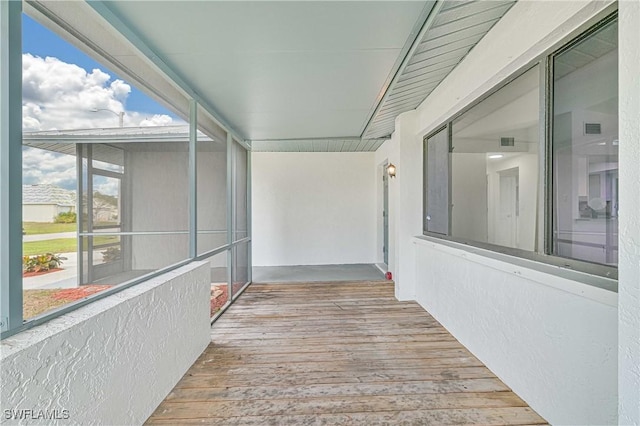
[(484, 155)]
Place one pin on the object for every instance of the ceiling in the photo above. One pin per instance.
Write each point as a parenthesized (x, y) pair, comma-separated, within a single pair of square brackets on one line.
[(287, 75), (280, 70)]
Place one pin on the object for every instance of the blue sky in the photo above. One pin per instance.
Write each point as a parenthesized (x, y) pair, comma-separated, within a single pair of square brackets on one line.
[(40, 41)]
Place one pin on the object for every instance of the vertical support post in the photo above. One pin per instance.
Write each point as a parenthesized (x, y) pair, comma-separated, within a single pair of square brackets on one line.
[(230, 210), (79, 212), (193, 178), (10, 165), (249, 215), (90, 239)]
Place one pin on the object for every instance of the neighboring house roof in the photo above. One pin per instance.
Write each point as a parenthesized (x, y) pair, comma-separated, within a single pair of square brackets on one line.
[(47, 194), (64, 141)]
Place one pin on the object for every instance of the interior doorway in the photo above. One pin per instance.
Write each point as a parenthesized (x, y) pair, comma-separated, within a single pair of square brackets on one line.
[(507, 229)]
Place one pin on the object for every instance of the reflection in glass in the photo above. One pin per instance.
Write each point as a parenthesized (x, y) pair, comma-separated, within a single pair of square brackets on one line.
[(585, 148), (494, 167)]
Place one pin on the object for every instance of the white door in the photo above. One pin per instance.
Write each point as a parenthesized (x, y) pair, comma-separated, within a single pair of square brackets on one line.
[(507, 226)]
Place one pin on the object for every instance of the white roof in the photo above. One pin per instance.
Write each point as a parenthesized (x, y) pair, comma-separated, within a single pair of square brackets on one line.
[(47, 194)]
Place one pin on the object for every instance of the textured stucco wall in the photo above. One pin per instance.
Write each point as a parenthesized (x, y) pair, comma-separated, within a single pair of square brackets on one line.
[(629, 257), (550, 339), (555, 345), (113, 361)]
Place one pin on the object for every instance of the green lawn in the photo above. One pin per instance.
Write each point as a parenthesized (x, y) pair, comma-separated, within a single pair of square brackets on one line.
[(33, 228), (60, 245)]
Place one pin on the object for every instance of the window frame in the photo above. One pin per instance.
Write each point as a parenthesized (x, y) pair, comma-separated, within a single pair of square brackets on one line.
[(543, 251)]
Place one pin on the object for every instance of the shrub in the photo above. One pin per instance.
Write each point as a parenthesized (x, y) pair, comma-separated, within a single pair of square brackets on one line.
[(111, 254), (41, 262), (65, 217)]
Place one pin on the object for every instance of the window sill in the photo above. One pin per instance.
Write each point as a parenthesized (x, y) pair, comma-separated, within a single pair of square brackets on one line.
[(600, 289)]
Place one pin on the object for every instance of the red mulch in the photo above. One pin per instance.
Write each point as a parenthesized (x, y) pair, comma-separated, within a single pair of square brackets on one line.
[(33, 274), (219, 301), (79, 293)]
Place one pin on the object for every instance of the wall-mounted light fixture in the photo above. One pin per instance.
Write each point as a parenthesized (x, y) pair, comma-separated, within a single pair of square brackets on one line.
[(391, 170)]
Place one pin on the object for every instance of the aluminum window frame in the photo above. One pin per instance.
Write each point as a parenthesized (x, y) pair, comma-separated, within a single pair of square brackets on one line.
[(544, 218)]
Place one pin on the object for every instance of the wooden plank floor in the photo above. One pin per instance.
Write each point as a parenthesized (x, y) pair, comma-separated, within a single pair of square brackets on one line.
[(336, 353)]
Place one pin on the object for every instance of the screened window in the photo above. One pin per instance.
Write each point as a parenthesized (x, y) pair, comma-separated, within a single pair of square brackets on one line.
[(116, 189)]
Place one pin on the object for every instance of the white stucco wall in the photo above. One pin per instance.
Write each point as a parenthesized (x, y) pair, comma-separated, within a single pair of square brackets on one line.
[(553, 340), (629, 240), (159, 201), (111, 362), (43, 212), (313, 208)]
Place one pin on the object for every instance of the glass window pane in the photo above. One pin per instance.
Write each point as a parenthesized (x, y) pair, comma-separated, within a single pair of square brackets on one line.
[(437, 183), (585, 149), (495, 166)]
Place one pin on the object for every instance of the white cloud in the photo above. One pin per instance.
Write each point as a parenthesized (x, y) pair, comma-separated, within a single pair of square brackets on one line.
[(41, 166), (57, 95), (61, 96), (156, 120), (108, 186)]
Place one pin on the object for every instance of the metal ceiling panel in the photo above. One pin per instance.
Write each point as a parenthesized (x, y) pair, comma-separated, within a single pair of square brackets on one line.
[(281, 70), (456, 27)]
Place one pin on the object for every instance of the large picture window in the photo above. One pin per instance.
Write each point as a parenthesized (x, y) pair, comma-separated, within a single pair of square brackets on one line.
[(494, 167), (585, 148), (484, 170)]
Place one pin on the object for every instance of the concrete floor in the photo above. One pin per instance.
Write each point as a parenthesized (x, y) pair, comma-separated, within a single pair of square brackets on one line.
[(316, 273)]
